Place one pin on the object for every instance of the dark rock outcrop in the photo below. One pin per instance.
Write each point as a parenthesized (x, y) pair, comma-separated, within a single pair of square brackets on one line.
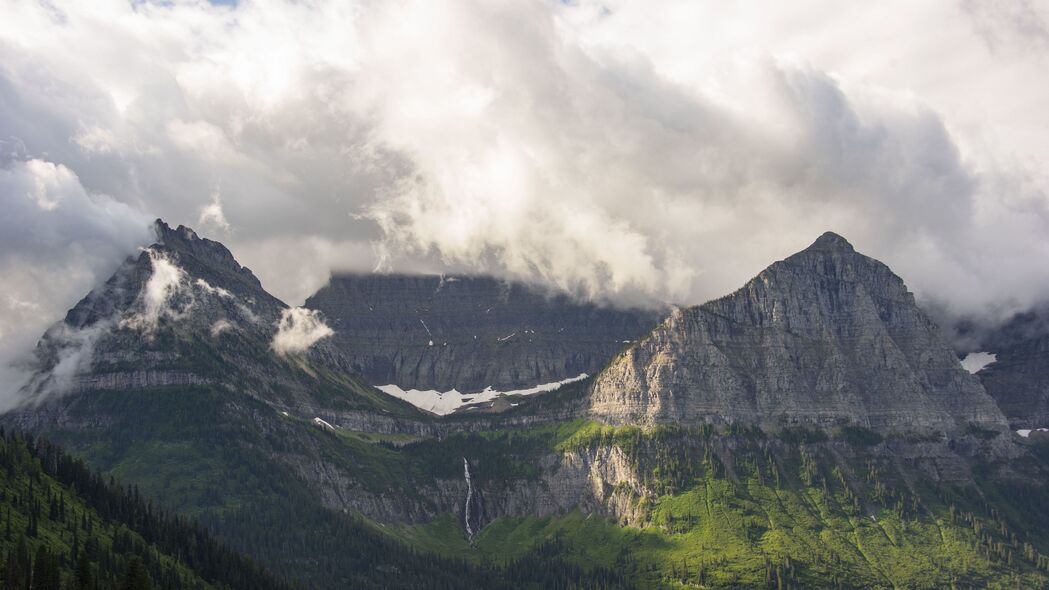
[(826, 337), (1019, 378), (467, 333)]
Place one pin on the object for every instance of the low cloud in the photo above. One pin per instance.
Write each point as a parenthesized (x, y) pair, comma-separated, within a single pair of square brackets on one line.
[(212, 216), (73, 350), (166, 295), (57, 242), (298, 329), (220, 326)]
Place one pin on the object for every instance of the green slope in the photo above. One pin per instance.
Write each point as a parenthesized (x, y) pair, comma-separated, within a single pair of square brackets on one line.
[(727, 508), (771, 513)]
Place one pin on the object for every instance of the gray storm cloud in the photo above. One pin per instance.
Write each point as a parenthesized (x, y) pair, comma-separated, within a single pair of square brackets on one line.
[(57, 242), (657, 151)]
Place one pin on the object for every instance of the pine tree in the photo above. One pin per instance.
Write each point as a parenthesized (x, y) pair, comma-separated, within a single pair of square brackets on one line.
[(45, 570), (135, 576), (82, 576), (14, 576)]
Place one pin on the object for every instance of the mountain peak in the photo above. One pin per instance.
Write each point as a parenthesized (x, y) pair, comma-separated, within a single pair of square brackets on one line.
[(832, 242), (826, 337), (202, 257), (181, 234)]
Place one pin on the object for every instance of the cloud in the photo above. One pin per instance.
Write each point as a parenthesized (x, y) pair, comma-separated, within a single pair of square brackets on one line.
[(212, 216), (166, 295), (220, 326), (57, 242), (634, 152), (73, 350), (298, 329)]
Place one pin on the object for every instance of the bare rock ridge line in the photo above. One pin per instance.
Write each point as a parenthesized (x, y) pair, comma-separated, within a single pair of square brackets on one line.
[(430, 332), (827, 337)]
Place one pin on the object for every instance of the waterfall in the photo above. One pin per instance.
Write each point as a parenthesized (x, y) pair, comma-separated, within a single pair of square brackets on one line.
[(469, 498)]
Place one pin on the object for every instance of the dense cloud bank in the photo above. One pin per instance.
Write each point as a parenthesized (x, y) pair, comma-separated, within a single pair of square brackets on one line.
[(630, 151)]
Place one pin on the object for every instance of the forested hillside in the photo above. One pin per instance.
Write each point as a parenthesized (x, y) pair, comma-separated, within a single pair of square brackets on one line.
[(65, 526)]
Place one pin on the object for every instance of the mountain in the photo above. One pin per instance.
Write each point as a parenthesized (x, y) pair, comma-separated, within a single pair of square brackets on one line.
[(185, 314), (470, 333), (183, 376), (826, 338), (1018, 379), (256, 424)]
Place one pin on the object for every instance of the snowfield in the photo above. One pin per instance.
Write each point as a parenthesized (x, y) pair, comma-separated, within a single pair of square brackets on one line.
[(446, 402), (975, 361)]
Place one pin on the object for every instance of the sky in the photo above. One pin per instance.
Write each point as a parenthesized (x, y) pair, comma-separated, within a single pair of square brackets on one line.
[(630, 152)]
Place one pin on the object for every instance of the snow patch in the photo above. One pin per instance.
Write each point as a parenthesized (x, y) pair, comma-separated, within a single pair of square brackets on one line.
[(298, 329), (323, 424), (446, 402), (975, 361), (1026, 432)]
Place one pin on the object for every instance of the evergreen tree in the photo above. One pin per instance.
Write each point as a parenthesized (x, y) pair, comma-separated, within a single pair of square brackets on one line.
[(135, 576), (45, 570), (82, 576), (14, 575)]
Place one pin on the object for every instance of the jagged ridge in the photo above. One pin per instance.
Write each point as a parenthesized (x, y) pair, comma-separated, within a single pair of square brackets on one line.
[(826, 337)]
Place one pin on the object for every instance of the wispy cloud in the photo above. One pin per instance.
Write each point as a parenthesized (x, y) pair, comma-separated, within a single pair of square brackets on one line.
[(298, 329)]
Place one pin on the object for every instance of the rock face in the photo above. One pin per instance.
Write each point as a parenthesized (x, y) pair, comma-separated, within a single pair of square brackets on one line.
[(1019, 378), (183, 314), (467, 333), (826, 337)]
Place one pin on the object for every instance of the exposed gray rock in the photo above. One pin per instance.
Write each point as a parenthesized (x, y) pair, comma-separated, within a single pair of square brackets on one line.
[(1019, 378), (186, 313), (467, 333), (826, 337)]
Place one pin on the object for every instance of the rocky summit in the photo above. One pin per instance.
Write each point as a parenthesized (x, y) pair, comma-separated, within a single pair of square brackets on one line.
[(469, 333), (185, 314), (826, 337)]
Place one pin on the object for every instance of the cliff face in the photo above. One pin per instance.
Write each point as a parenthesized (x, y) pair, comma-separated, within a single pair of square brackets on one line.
[(825, 337), (469, 333), (1019, 378), (183, 314)]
